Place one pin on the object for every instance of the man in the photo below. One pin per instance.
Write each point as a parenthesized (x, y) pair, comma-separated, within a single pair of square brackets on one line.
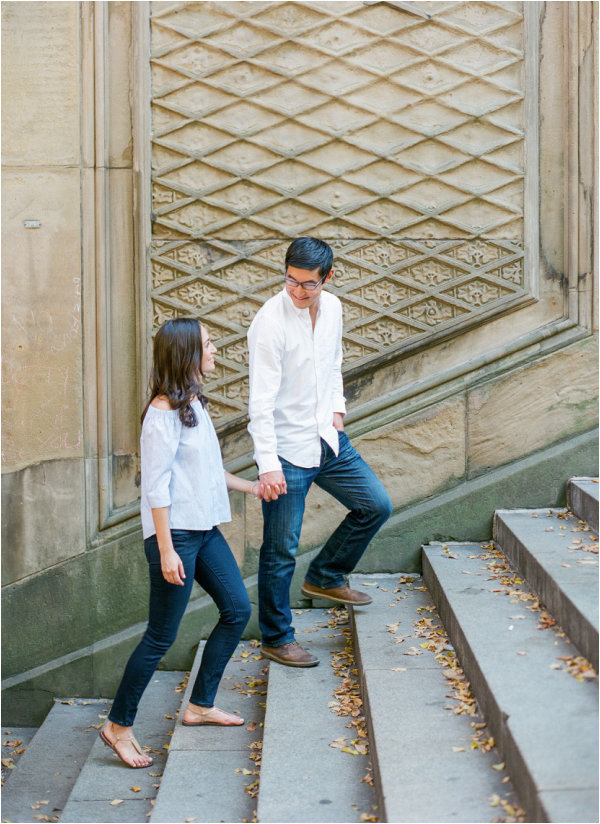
[(297, 409)]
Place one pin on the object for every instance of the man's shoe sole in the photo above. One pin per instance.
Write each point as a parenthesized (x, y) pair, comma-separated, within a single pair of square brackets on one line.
[(286, 661), (316, 595)]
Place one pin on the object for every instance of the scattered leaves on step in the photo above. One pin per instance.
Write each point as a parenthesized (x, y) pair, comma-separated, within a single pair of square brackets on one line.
[(189, 820), (243, 771), (116, 801), (252, 789), (135, 789), (413, 651), (498, 766), (399, 669), (546, 620), (458, 749), (577, 666), (8, 763), (367, 817), (251, 726), (181, 686), (13, 743), (348, 702), (513, 811)]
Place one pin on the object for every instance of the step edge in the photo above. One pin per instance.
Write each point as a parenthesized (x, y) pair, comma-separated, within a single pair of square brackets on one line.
[(569, 615)]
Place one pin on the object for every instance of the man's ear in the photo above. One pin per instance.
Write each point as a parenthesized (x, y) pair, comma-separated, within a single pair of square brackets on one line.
[(328, 276)]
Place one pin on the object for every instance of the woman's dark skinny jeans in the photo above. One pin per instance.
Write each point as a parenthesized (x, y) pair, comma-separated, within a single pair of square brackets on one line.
[(206, 558)]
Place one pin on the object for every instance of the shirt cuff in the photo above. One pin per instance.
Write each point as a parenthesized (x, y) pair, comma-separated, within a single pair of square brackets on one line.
[(157, 500), (268, 462), (339, 404)]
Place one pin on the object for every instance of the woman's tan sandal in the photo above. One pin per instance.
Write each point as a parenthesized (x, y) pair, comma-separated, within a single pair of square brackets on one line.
[(208, 717), (121, 739)]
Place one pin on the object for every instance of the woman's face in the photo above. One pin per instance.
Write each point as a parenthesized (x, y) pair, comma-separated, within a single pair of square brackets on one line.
[(208, 352)]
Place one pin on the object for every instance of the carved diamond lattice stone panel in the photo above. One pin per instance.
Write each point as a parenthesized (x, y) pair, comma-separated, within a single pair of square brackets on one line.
[(396, 133)]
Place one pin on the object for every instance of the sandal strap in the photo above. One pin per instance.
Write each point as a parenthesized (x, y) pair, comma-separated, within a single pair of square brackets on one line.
[(131, 739), (204, 712)]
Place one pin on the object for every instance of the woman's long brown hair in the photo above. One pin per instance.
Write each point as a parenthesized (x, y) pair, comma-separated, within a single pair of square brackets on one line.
[(176, 362)]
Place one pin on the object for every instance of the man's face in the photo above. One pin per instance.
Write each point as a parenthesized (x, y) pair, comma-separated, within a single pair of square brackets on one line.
[(302, 297)]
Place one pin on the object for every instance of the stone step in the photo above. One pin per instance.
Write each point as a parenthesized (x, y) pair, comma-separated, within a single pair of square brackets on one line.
[(582, 497), (304, 778), (535, 695), (428, 766), (558, 557), (107, 790), (45, 774), (15, 741), (209, 774)]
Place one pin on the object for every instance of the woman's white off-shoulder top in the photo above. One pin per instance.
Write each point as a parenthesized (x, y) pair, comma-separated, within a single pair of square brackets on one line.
[(182, 468)]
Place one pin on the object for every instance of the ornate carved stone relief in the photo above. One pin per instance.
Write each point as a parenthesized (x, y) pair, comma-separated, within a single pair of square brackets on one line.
[(396, 133)]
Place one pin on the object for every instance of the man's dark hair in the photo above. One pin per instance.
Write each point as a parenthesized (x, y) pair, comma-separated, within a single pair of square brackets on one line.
[(308, 253)]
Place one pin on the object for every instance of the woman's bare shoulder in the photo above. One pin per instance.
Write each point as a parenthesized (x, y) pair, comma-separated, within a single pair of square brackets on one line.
[(161, 402)]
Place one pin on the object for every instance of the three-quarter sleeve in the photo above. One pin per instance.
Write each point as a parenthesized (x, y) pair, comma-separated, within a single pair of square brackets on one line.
[(159, 442)]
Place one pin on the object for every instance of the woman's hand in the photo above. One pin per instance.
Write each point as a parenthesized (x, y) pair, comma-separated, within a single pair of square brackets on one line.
[(172, 567), (273, 484), (258, 490)]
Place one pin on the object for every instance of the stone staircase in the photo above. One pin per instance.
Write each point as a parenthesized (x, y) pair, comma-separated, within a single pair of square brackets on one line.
[(480, 704)]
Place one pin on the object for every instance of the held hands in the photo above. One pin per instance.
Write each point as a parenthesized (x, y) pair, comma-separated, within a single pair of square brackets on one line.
[(273, 485), (172, 567)]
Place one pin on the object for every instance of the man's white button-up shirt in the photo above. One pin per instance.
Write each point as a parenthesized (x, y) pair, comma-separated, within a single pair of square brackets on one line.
[(295, 381)]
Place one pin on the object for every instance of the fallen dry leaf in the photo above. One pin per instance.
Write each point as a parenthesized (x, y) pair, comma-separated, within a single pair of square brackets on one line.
[(116, 801)]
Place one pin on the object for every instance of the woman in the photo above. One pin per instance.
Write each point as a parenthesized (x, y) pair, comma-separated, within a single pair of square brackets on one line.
[(184, 497)]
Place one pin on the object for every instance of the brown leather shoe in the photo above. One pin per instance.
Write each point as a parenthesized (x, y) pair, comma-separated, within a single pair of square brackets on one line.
[(341, 595), (292, 655)]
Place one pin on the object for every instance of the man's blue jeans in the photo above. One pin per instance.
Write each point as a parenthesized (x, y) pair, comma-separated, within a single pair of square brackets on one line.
[(207, 558), (352, 482)]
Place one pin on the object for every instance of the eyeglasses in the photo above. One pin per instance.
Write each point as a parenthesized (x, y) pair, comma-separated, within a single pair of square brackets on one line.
[(309, 285)]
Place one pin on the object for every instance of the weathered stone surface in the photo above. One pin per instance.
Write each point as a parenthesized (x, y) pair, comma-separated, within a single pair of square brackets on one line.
[(534, 407), (44, 523), (420, 453), (41, 314), (120, 149), (40, 68)]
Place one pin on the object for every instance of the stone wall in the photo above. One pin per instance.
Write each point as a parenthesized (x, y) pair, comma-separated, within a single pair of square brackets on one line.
[(489, 398)]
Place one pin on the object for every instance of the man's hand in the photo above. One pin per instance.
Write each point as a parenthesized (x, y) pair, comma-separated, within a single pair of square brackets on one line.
[(338, 421), (172, 567), (274, 485)]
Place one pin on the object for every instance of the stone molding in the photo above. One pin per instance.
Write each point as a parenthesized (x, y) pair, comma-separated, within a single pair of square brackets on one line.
[(111, 335)]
